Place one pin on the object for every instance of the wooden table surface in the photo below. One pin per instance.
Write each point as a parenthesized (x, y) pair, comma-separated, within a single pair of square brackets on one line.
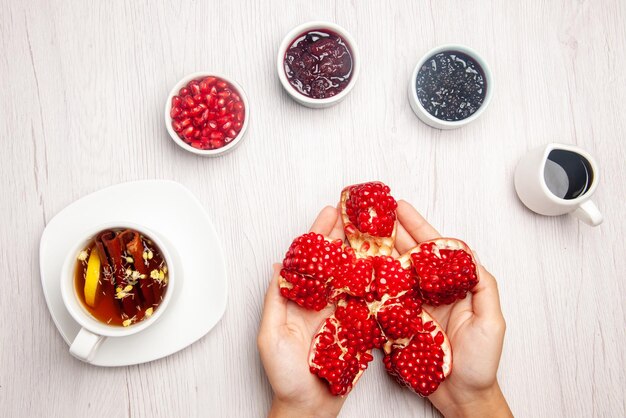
[(82, 90)]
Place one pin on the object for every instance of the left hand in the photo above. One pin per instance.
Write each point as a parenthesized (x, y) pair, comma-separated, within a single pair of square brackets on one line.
[(284, 341)]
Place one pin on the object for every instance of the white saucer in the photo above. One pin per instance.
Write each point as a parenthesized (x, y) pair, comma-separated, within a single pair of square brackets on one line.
[(178, 218)]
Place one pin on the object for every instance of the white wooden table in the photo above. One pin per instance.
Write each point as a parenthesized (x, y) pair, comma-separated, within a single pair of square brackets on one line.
[(82, 90)]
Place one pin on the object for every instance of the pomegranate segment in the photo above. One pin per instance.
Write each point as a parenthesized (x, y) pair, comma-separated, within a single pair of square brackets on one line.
[(207, 113), (390, 277), (371, 209), (355, 282), (423, 361), (445, 269), (401, 317), (369, 217), (341, 349), (310, 263), (419, 364)]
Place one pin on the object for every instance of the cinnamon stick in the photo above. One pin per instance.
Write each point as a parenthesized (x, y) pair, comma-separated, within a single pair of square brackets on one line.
[(132, 241), (113, 246), (108, 277)]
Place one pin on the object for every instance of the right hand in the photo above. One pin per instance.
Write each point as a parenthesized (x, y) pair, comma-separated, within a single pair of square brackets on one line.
[(475, 327)]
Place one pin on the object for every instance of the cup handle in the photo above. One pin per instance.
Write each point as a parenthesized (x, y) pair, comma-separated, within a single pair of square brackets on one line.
[(588, 213), (85, 345)]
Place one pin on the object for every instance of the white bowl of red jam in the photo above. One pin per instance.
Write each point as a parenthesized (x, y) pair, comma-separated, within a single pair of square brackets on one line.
[(207, 114), (450, 87), (318, 64)]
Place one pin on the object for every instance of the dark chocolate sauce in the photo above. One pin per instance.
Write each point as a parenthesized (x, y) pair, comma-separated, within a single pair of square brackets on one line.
[(318, 64), (451, 86), (567, 174)]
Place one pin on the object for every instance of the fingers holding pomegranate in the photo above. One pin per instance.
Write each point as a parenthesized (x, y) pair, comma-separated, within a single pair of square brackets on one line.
[(377, 294), (284, 341)]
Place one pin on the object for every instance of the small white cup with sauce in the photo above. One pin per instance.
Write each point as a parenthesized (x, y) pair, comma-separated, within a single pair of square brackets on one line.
[(93, 332), (557, 179), (288, 41), (432, 120)]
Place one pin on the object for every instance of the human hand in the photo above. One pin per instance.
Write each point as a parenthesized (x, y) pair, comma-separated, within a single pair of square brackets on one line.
[(284, 341), (475, 327)]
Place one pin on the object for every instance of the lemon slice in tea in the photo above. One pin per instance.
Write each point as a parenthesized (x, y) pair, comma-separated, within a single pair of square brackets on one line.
[(92, 278)]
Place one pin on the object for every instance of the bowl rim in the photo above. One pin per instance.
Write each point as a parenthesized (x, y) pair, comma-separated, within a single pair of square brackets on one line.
[(168, 119), (292, 35), (434, 121)]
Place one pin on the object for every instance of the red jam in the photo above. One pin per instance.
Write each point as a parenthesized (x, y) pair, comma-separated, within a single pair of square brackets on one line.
[(319, 64), (207, 113)]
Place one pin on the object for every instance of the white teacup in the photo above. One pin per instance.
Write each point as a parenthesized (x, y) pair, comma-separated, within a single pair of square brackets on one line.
[(556, 179), (93, 331)]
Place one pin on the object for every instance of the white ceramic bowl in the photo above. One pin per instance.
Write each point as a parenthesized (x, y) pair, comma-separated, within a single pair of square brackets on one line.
[(213, 152), (75, 306), (431, 120), (280, 66)]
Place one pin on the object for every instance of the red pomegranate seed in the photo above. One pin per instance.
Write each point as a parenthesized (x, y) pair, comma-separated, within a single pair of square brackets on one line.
[(207, 113), (216, 135), (188, 102)]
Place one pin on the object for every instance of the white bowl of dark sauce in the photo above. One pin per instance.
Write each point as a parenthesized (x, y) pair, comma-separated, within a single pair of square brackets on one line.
[(450, 87)]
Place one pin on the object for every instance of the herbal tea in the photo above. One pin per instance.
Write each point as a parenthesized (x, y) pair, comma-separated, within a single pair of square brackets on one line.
[(121, 277)]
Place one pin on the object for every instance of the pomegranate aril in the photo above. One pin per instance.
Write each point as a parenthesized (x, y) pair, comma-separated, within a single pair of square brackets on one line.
[(175, 111), (188, 132), (195, 88), (177, 126), (222, 120), (176, 101), (183, 92), (224, 93), (226, 126), (221, 84), (189, 102), (215, 143), (216, 135)]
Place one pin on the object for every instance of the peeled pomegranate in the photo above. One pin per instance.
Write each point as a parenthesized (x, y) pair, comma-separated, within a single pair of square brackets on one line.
[(368, 212), (378, 299)]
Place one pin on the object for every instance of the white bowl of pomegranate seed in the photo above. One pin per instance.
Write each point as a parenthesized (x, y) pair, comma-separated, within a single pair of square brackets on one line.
[(318, 64), (207, 114)]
